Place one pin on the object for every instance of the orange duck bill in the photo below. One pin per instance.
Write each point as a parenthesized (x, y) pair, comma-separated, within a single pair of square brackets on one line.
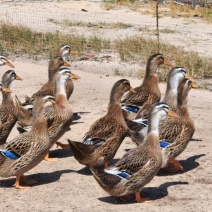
[(8, 63)]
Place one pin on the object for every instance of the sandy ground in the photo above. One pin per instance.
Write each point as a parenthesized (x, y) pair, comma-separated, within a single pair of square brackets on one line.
[(66, 185)]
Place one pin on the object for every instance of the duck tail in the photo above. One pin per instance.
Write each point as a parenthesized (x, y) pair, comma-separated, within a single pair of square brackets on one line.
[(106, 180), (81, 151)]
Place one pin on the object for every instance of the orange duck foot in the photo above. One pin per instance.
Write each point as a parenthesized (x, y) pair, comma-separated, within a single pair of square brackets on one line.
[(138, 198), (173, 166), (17, 183), (63, 146), (47, 158)]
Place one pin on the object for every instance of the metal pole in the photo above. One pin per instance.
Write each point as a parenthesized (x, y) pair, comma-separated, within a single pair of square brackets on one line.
[(157, 27)]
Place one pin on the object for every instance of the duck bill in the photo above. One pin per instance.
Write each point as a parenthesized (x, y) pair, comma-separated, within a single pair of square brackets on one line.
[(9, 64), (18, 78), (172, 114), (189, 77), (166, 62), (74, 76), (66, 64), (58, 105), (73, 52), (6, 90), (132, 90), (193, 85)]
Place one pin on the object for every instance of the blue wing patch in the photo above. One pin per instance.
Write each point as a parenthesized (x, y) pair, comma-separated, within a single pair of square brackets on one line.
[(124, 175), (164, 144), (9, 154), (131, 108)]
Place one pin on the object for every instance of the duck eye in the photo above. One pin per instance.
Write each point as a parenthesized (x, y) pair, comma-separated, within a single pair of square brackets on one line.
[(183, 70)]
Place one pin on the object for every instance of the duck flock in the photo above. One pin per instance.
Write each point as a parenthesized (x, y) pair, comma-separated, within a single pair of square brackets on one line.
[(161, 130)]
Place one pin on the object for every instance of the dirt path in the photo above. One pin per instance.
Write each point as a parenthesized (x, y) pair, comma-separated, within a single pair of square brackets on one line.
[(66, 185)]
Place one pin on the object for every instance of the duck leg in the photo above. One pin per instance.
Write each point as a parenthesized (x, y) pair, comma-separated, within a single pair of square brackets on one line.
[(17, 183), (47, 158), (63, 146), (173, 166), (139, 199)]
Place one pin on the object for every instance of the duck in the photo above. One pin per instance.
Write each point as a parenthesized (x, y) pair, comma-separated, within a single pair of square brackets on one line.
[(27, 150), (8, 111), (24, 120), (138, 126), (105, 135), (139, 165), (175, 134), (61, 118), (148, 92), (5, 61), (3, 89), (25, 117), (63, 51), (176, 75), (48, 88)]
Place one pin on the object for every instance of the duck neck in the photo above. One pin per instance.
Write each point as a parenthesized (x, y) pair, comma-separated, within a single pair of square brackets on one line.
[(6, 96), (39, 123), (114, 109), (153, 125), (183, 109), (53, 67), (60, 91), (171, 93), (151, 69), (171, 99)]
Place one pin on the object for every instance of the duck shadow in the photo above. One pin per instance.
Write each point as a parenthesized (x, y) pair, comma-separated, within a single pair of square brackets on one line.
[(188, 165), (84, 171), (60, 153), (40, 178), (152, 193)]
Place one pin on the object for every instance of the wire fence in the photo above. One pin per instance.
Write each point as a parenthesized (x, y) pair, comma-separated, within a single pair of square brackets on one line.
[(42, 19)]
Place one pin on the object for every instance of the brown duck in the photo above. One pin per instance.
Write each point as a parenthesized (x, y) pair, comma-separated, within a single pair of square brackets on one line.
[(28, 149), (148, 92), (60, 118), (138, 166), (175, 134), (8, 111), (106, 134)]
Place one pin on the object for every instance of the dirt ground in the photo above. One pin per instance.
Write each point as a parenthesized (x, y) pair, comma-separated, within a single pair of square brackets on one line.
[(68, 186)]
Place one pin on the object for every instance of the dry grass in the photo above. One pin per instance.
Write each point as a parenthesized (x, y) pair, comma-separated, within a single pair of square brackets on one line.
[(170, 9), (186, 11), (101, 25), (134, 49), (18, 39)]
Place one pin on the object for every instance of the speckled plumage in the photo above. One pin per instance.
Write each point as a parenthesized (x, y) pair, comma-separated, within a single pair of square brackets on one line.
[(48, 88), (141, 163), (148, 92), (178, 131), (8, 110), (111, 128), (30, 146)]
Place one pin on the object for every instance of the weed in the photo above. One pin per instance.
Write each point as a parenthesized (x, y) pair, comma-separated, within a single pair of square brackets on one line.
[(19, 39)]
